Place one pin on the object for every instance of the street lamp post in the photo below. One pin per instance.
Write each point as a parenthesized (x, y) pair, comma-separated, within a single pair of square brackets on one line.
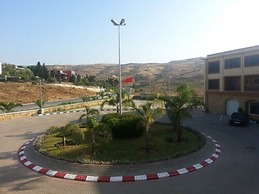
[(169, 84), (122, 23)]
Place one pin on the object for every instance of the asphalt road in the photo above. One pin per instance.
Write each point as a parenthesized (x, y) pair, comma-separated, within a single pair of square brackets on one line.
[(32, 106), (236, 171)]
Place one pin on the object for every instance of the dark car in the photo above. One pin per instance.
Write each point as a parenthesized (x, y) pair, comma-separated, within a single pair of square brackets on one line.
[(238, 118)]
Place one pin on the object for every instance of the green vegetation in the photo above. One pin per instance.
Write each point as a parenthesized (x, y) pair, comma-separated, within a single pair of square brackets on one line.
[(149, 113), (115, 101), (163, 145), (8, 106), (15, 73), (177, 107), (40, 71), (92, 121), (131, 137), (40, 103), (130, 123)]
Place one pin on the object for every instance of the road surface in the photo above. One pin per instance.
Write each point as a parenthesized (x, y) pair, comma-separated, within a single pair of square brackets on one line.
[(236, 171)]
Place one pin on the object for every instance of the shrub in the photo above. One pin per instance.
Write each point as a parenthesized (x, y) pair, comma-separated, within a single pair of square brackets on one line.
[(72, 132), (104, 131), (52, 130), (124, 126)]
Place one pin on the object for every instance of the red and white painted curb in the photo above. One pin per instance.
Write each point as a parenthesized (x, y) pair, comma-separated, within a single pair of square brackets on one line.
[(68, 176)]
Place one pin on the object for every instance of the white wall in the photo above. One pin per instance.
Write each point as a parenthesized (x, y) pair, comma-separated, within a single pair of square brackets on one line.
[(0, 68)]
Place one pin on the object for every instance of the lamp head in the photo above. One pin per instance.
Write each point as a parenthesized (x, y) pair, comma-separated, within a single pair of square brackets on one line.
[(123, 22), (114, 22)]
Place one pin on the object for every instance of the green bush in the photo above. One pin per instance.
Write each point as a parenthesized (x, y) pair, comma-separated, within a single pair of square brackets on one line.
[(124, 126), (52, 130), (73, 133), (104, 131)]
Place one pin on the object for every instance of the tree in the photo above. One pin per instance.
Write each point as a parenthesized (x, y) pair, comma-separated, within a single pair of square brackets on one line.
[(85, 98), (114, 101), (24, 74), (73, 79), (91, 122), (8, 106), (40, 104), (91, 78), (102, 94), (11, 70), (149, 113), (71, 133), (40, 70), (8, 69), (45, 72), (177, 108)]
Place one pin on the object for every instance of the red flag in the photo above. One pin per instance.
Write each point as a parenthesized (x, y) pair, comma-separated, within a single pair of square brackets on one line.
[(128, 80)]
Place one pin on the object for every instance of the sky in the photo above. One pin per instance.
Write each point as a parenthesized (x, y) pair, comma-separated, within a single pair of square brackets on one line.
[(80, 31)]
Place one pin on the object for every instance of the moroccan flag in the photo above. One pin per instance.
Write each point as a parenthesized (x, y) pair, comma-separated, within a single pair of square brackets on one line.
[(128, 80)]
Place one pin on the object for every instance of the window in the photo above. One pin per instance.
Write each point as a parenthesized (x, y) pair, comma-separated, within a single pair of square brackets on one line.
[(213, 84), (254, 108), (232, 63), (256, 81), (232, 84), (251, 61), (213, 67), (252, 83)]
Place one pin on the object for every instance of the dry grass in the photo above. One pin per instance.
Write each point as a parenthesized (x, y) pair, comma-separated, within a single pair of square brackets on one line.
[(28, 93)]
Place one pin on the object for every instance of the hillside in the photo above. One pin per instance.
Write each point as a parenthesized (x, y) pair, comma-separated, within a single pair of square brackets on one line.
[(149, 77), (28, 93), (155, 77)]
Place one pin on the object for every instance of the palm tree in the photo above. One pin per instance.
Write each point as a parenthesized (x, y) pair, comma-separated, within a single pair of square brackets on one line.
[(127, 101), (149, 114), (85, 98), (177, 108), (115, 101), (8, 106), (40, 104), (102, 94), (91, 122)]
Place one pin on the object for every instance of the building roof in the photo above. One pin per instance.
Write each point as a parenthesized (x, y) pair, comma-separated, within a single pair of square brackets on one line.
[(236, 51)]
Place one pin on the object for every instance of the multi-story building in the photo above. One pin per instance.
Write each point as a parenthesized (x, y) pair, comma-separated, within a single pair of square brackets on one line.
[(232, 81)]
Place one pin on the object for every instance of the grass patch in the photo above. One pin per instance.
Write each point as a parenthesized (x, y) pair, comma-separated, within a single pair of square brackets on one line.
[(163, 145)]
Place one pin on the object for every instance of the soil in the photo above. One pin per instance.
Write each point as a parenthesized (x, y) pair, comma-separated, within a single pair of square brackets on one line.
[(29, 93)]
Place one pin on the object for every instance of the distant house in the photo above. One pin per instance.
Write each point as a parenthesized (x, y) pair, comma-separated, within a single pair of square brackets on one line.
[(64, 74), (19, 67), (69, 73), (3, 78), (232, 81)]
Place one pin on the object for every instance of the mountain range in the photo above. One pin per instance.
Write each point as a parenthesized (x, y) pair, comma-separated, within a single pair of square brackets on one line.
[(149, 77)]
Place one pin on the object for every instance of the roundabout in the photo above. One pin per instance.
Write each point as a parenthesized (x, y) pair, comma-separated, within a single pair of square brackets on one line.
[(119, 178)]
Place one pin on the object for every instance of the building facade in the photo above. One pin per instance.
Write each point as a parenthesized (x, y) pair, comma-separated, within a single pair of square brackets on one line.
[(232, 81), (63, 74)]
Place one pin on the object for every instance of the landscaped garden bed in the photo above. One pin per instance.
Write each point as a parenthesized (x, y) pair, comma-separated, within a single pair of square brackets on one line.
[(162, 145)]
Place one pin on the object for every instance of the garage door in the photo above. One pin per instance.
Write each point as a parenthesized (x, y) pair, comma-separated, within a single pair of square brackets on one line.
[(232, 106)]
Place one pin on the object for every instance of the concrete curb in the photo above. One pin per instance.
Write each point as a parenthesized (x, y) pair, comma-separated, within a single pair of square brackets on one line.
[(56, 113), (74, 111), (87, 178)]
